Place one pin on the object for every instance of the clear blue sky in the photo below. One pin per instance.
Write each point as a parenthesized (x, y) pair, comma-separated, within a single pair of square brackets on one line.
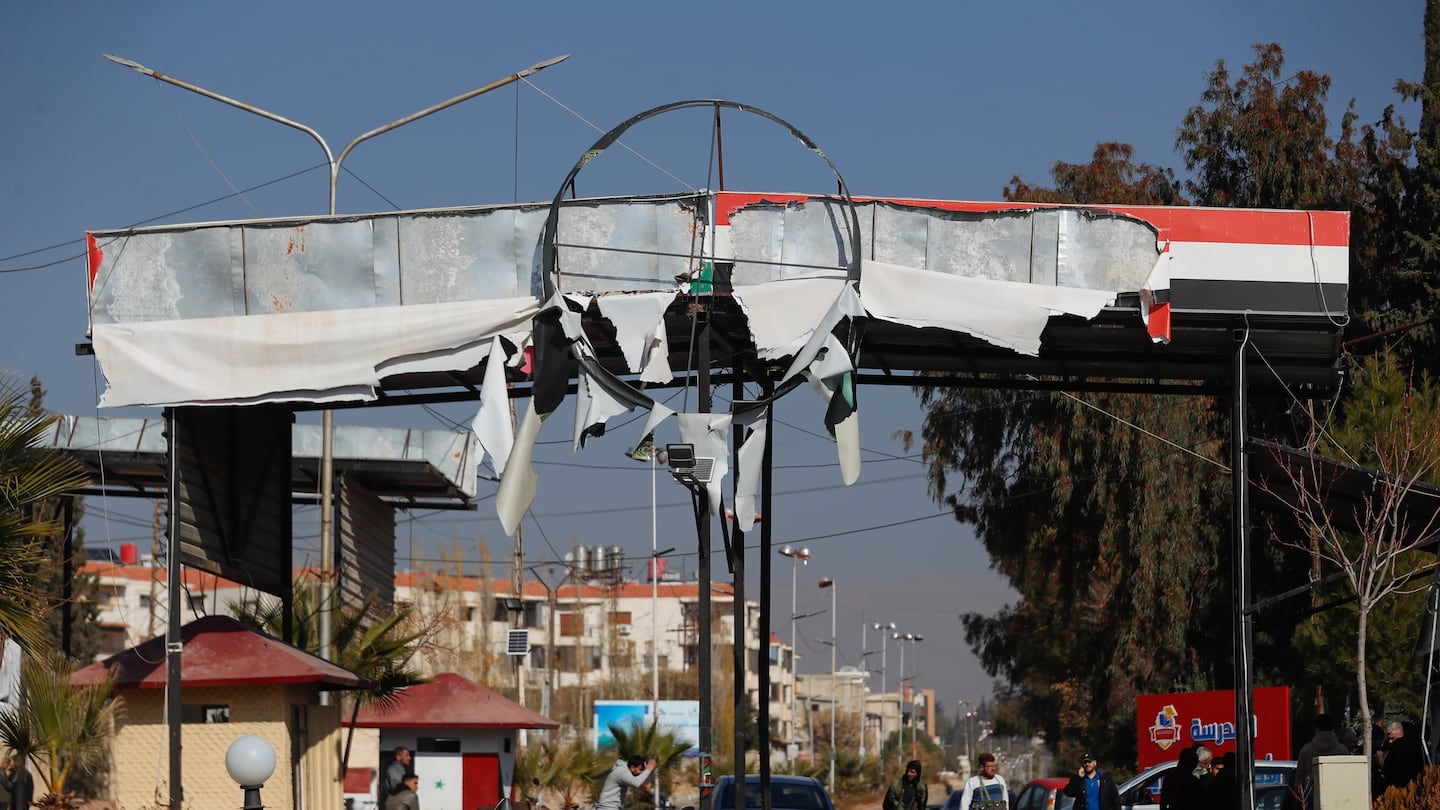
[(942, 100)]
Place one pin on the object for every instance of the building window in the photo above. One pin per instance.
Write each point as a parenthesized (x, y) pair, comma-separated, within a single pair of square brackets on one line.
[(204, 713), (437, 745), (144, 600), (572, 623)]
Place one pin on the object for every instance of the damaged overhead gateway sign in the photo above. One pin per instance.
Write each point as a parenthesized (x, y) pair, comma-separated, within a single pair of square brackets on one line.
[(800, 288)]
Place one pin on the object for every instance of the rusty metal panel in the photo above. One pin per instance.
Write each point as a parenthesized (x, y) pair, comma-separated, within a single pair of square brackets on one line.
[(310, 267)]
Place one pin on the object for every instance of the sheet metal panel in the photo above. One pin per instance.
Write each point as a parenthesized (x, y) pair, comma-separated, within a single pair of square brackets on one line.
[(365, 549), (131, 450), (233, 513), (314, 273), (614, 245)]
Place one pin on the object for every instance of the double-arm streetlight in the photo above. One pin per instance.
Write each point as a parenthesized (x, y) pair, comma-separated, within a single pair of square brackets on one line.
[(900, 741), (798, 556), (829, 582), (914, 673), (965, 718), (327, 424)]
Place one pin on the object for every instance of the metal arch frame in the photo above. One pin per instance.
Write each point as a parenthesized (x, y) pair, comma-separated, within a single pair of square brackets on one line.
[(545, 322), (548, 258)]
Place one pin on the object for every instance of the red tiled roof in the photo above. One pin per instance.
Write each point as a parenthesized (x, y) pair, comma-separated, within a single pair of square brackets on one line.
[(219, 651), (451, 701)]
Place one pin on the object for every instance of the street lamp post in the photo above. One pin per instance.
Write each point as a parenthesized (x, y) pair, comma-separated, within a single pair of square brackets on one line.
[(914, 721), (914, 673), (965, 718), (327, 417), (798, 556), (828, 582), (900, 705), (647, 451), (884, 636)]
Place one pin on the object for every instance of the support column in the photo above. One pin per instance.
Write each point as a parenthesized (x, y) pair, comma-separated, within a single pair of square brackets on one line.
[(702, 520), (1240, 583), (172, 601)]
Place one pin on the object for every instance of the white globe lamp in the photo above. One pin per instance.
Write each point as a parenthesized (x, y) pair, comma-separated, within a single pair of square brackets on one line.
[(250, 761)]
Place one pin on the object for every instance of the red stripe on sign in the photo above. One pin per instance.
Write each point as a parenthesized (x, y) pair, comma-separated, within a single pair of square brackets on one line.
[(1176, 223), (94, 255)]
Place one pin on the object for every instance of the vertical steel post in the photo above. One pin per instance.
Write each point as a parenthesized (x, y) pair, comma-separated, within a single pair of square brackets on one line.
[(706, 742), (741, 626), (1240, 581), (765, 592), (172, 601)]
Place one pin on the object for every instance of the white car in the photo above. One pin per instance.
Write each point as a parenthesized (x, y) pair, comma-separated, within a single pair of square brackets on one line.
[(1143, 792)]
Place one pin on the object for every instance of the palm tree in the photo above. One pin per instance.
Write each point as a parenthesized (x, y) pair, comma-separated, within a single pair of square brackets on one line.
[(63, 730), (363, 639), (565, 770), (29, 474)]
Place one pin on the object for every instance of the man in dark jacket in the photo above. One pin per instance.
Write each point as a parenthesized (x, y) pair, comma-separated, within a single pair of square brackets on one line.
[(17, 779), (1092, 788), (1404, 756), (909, 791)]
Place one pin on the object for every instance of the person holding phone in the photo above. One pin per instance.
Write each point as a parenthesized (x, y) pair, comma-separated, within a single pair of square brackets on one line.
[(1092, 788)]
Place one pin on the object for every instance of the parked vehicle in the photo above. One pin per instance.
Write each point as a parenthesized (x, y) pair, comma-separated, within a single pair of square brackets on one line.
[(786, 793), (952, 802), (1143, 792), (1043, 794)]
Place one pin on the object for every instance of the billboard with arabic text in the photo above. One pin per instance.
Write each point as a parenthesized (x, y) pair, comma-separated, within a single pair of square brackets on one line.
[(1168, 723)]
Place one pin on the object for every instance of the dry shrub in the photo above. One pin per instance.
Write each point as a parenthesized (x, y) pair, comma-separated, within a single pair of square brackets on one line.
[(1422, 794)]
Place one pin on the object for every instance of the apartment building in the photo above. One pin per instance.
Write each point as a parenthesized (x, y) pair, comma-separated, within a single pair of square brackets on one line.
[(554, 633)]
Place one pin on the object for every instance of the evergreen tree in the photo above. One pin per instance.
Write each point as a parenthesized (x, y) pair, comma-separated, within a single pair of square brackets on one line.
[(1110, 513), (72, 609)]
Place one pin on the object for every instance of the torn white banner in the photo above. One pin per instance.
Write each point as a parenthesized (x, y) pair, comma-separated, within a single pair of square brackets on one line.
[(1009, 314), (639, 326), (295, 356), (517, 488), (491, 425), (747, 478), (782, 313)]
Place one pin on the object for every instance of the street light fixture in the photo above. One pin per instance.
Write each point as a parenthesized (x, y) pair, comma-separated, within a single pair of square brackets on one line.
[(647, 451), (914, 673), (882, 627), (327, 474), (829, 582), (965, 717), (327, 416), (250, 760), (797, 557)]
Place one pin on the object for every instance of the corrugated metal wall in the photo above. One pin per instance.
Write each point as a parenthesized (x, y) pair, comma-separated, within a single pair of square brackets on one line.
[(366, 546)]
